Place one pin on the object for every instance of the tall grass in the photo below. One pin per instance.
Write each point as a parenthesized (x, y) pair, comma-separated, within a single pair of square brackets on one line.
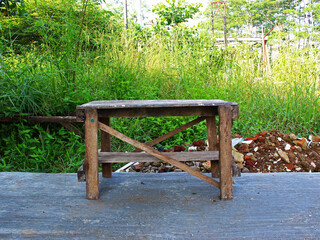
[(149, 64)]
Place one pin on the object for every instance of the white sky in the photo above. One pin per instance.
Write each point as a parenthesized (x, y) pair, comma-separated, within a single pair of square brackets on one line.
[(133, 6)]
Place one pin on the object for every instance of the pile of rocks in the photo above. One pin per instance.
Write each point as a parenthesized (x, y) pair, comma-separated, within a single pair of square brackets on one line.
[(265, 152), (277, 152)]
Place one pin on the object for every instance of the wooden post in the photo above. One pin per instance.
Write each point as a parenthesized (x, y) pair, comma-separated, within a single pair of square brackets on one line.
[(106, 147), (213, 143), (91, 160), (225, 152)]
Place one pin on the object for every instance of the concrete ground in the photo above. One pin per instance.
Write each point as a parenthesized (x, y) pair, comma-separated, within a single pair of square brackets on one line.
[(159, 206)]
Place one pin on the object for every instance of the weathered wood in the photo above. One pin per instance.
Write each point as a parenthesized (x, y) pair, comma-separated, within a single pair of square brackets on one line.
[(235, 111), (213, 143), (157, 154), (173, 132), (106, 147), (72, 128), (149, 108), (122, 104), (159, 112), (116, 157), (41, 119), (225, 152), (91, 160)]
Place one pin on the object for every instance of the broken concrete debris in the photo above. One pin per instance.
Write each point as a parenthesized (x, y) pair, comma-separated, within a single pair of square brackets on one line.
[(266, 152)]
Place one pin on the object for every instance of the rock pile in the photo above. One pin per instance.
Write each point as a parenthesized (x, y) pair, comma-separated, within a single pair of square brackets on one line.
[(266, 152), (277, 152)]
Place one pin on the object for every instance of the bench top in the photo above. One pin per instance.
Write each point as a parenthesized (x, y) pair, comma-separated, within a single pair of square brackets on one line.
[(123, 104)]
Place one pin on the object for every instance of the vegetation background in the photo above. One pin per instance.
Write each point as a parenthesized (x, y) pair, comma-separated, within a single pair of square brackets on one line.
[(55, 55)]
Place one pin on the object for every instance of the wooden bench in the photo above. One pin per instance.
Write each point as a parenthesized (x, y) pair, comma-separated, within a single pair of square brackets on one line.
[(97, 116)]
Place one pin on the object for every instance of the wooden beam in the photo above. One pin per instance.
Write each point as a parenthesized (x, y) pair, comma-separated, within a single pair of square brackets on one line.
[(41, 119), (225, 152), (91, 160), (213, 143), (116, 157), (159, 112), (173, 132), (106, 147), (157, 154)]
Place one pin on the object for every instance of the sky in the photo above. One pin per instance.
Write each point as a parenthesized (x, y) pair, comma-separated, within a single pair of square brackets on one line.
[(133, 6)]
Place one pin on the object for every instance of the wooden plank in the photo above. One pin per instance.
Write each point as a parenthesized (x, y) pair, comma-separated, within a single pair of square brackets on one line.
[(106, 147), (91, 160), (157, 154), (173, 132), (213, 143), (42, 119), (72, 128), (116, 157), (159, 112), (225, 152), (171, 103), (235, 111)]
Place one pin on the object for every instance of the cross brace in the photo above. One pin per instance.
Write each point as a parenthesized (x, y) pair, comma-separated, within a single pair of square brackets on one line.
[(157, 154)]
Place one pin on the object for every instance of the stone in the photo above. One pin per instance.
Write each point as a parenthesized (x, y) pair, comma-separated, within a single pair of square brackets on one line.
[(198, 143), (314, 138), (237, 157), (303, 143), (283, 155), (177, 170), (147, 164), (292, 136), (286, 138), (289, 166), (245, 170), (156, 164), (138, 166), (192, 149), (240, 165), (291, 155), (180, 148), (287, 147), (207, 165)]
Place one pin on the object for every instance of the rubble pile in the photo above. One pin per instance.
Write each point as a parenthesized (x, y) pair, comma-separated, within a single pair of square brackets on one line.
[(277, 152), (266, 152)]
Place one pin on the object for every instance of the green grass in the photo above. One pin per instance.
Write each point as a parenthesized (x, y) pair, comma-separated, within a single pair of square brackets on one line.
[(146, 65)]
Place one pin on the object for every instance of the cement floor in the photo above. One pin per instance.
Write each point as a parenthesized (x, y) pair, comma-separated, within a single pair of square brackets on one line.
[(159, 206)]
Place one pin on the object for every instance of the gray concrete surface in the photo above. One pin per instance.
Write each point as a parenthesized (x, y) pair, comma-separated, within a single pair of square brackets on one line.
[(159, 206)]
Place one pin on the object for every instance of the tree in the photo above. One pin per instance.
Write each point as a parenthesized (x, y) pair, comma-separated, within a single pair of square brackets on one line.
[(174, 12)]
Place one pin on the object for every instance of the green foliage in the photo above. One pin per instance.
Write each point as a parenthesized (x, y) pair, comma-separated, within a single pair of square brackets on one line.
[(175, 11), (36, 148), (12, 7), (42, 50)]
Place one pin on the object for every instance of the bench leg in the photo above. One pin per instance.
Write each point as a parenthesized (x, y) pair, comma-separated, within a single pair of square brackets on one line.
[(91, 160), (106, 147), (213, 143), (225, 152)]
